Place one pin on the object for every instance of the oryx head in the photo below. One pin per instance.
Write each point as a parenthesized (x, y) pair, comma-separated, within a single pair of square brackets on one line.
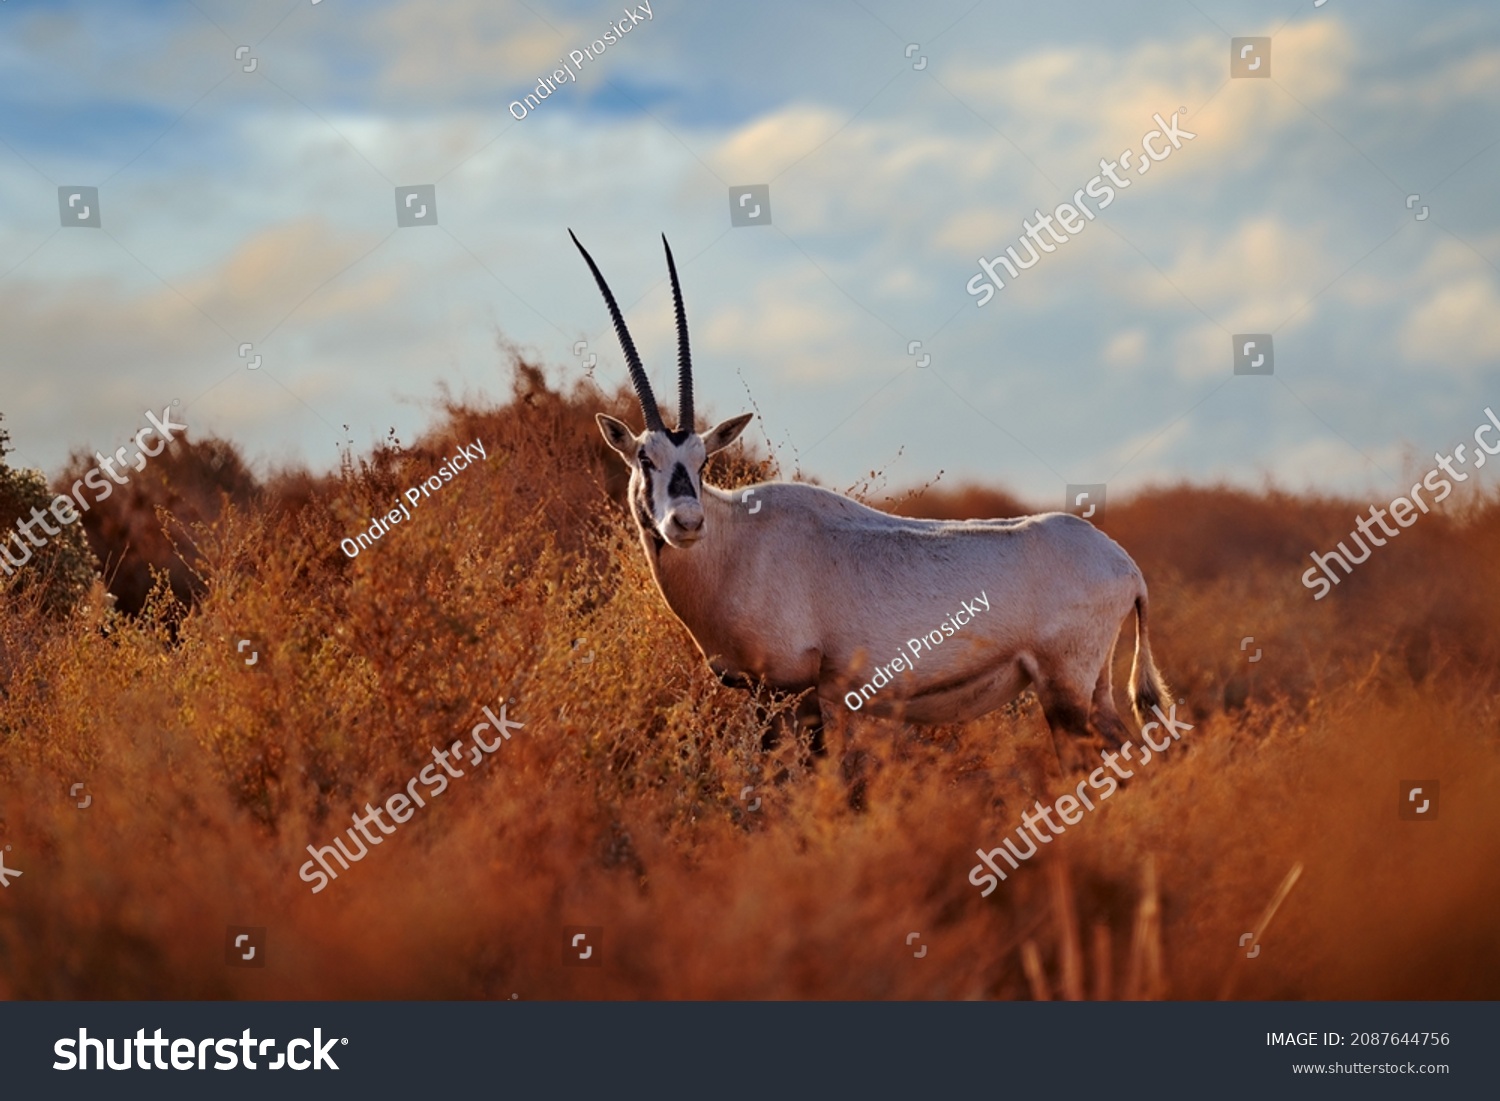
[(666, 465)]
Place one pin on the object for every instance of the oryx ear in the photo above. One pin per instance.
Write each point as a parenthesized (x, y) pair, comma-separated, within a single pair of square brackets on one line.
[(618, 435), (720, 437)]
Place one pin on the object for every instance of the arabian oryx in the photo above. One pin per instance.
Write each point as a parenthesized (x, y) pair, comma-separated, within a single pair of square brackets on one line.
[(811, 589)]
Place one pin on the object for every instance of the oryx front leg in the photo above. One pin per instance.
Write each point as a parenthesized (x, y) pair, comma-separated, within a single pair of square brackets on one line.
[(783, 711)]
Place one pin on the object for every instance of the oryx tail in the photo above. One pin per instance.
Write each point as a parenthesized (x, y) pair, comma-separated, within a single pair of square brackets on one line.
[(1147, 688)]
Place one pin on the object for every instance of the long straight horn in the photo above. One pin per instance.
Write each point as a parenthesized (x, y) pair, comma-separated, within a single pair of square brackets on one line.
[(684, 355), (632, 357)]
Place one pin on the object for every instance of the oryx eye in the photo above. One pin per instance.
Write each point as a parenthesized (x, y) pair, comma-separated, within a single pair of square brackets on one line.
[(645, 462)]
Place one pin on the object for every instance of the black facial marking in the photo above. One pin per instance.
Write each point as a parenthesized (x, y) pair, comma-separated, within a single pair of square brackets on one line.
[(681, 484), (643, 517)]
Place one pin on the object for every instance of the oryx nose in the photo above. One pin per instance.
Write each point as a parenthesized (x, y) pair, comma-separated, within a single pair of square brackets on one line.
[(688, 522)]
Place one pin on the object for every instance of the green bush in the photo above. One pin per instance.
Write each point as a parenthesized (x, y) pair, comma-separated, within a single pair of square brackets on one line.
[(64, 569)]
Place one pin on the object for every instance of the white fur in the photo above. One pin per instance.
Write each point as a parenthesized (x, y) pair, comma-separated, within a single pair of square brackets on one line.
[(813, 590)]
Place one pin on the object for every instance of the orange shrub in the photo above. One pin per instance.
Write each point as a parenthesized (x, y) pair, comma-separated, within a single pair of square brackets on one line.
[(622, 803)]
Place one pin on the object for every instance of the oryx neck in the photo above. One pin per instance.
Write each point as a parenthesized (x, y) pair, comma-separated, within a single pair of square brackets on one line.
[(687, 576)]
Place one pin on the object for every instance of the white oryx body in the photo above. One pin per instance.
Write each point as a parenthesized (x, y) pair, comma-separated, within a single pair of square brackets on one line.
[(1057, 590), (813, 590)]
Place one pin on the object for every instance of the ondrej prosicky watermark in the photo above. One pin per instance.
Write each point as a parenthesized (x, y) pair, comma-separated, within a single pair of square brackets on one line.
[(380, 525), (573, 62), (884, 674)]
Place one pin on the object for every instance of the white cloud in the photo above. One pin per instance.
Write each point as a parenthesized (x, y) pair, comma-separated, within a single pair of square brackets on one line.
[(1202, 352), (1457, 325), (790, 326), (1259, 274), (1321, 460), (1126, 348), (1073, 105), (424, 47)]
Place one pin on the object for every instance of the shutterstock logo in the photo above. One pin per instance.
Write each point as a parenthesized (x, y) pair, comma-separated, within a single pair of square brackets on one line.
[(1419, 800), (1086, 500), (1253, 354), (188, 1054), (1250, 57), (583, 945)]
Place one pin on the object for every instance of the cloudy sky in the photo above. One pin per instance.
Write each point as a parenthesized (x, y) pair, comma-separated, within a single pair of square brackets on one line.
[(900, 143)]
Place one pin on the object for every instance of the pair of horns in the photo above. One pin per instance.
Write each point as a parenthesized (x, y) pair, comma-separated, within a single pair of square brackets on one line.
[(633, 358)]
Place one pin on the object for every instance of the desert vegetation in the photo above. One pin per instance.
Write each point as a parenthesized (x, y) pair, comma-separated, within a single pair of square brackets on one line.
[(623, 800)]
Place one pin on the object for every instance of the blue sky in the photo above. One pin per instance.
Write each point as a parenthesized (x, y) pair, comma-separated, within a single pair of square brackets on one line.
[(260, 208)]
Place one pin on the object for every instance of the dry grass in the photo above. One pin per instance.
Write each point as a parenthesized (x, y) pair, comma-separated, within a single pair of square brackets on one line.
[(619, 803)]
